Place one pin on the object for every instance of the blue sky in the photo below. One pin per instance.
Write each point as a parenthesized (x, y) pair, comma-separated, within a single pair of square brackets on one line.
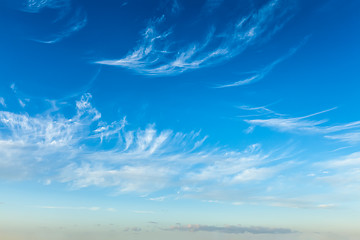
[(172, 118)]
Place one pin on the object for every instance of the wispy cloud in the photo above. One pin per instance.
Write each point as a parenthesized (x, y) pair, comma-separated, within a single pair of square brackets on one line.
[(342, 172), (36, 6), (352, 160), (302, 125), (351, 137), (156, 54), (77, 22), (22, 104), (303, 202), (2, 102), (265, 71), (71, 208), (143, 212), (211, 5), (158, 199), (85, 151), (71, 18), (231, 229), (175, 7)]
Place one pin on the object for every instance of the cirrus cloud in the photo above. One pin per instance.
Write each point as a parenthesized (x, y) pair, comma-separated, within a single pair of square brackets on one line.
[(156, 54)]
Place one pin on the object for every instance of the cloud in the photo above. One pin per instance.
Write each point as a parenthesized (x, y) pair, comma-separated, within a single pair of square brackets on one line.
[(111, 209), (133, 229), (143, 212), (342, 172), (352, 160), (231, 229), (235, 169), (2, 102), (303, 202), (211, 5), (259, 111), (351, 137), (77, 22), (81, 151), (263, 72), (71, 19), (35, 6), (71, 208), (157, 55), (22, 104), (158, 199), (302, 125), (175, 8)]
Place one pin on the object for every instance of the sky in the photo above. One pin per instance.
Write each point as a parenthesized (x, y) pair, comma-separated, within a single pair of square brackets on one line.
[(197, 119)]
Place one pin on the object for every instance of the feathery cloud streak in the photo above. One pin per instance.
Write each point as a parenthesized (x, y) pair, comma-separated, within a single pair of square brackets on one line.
[(343, 173), (2, 102), (302, 125), (351, 137), (84, 151), (155, 54), (263, 72), (36, 6), (70, 18)]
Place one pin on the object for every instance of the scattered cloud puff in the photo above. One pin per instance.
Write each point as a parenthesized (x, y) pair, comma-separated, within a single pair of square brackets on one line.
[(157, 54), (84, 151), (71, 19), (231, 229)]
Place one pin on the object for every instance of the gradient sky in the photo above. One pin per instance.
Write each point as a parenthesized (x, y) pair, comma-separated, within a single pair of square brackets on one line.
[(197, 119)]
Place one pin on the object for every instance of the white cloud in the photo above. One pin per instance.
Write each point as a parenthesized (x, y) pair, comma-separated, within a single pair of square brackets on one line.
[(22, 104), (35, 6), (72, 19), (342, 172), (143, 212), (352, 160), (75, 23), (158, 199), (2, 102), (211, 5), (254, 174), (84, 151), (263, 72), (155, 54), (231, 229), (71, 208), (351, 137), (303, 126)]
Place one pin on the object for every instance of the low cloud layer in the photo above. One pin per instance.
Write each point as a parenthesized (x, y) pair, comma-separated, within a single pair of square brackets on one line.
[(231, 229)]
